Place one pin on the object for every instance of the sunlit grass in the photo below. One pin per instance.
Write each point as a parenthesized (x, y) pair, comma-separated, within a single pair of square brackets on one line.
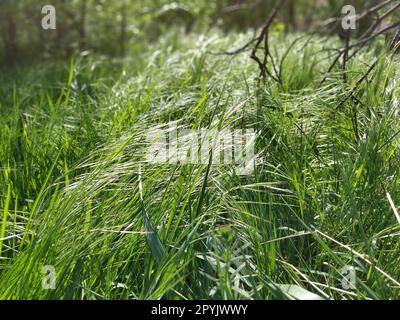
[(77, 194)]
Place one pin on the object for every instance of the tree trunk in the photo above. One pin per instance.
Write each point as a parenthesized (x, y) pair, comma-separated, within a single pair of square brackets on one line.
[(292, 15), (82, 25), (9, 33), (122, 38)]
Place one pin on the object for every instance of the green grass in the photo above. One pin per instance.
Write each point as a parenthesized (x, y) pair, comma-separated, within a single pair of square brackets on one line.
[(76, 194)]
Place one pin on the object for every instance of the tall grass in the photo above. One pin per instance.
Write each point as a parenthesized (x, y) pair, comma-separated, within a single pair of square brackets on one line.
[(77, 194)]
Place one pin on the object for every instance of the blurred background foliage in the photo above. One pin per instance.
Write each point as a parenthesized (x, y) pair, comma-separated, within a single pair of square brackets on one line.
[(115, 27)]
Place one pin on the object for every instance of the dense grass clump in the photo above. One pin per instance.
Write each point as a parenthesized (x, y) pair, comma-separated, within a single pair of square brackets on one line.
[(77, 194)]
